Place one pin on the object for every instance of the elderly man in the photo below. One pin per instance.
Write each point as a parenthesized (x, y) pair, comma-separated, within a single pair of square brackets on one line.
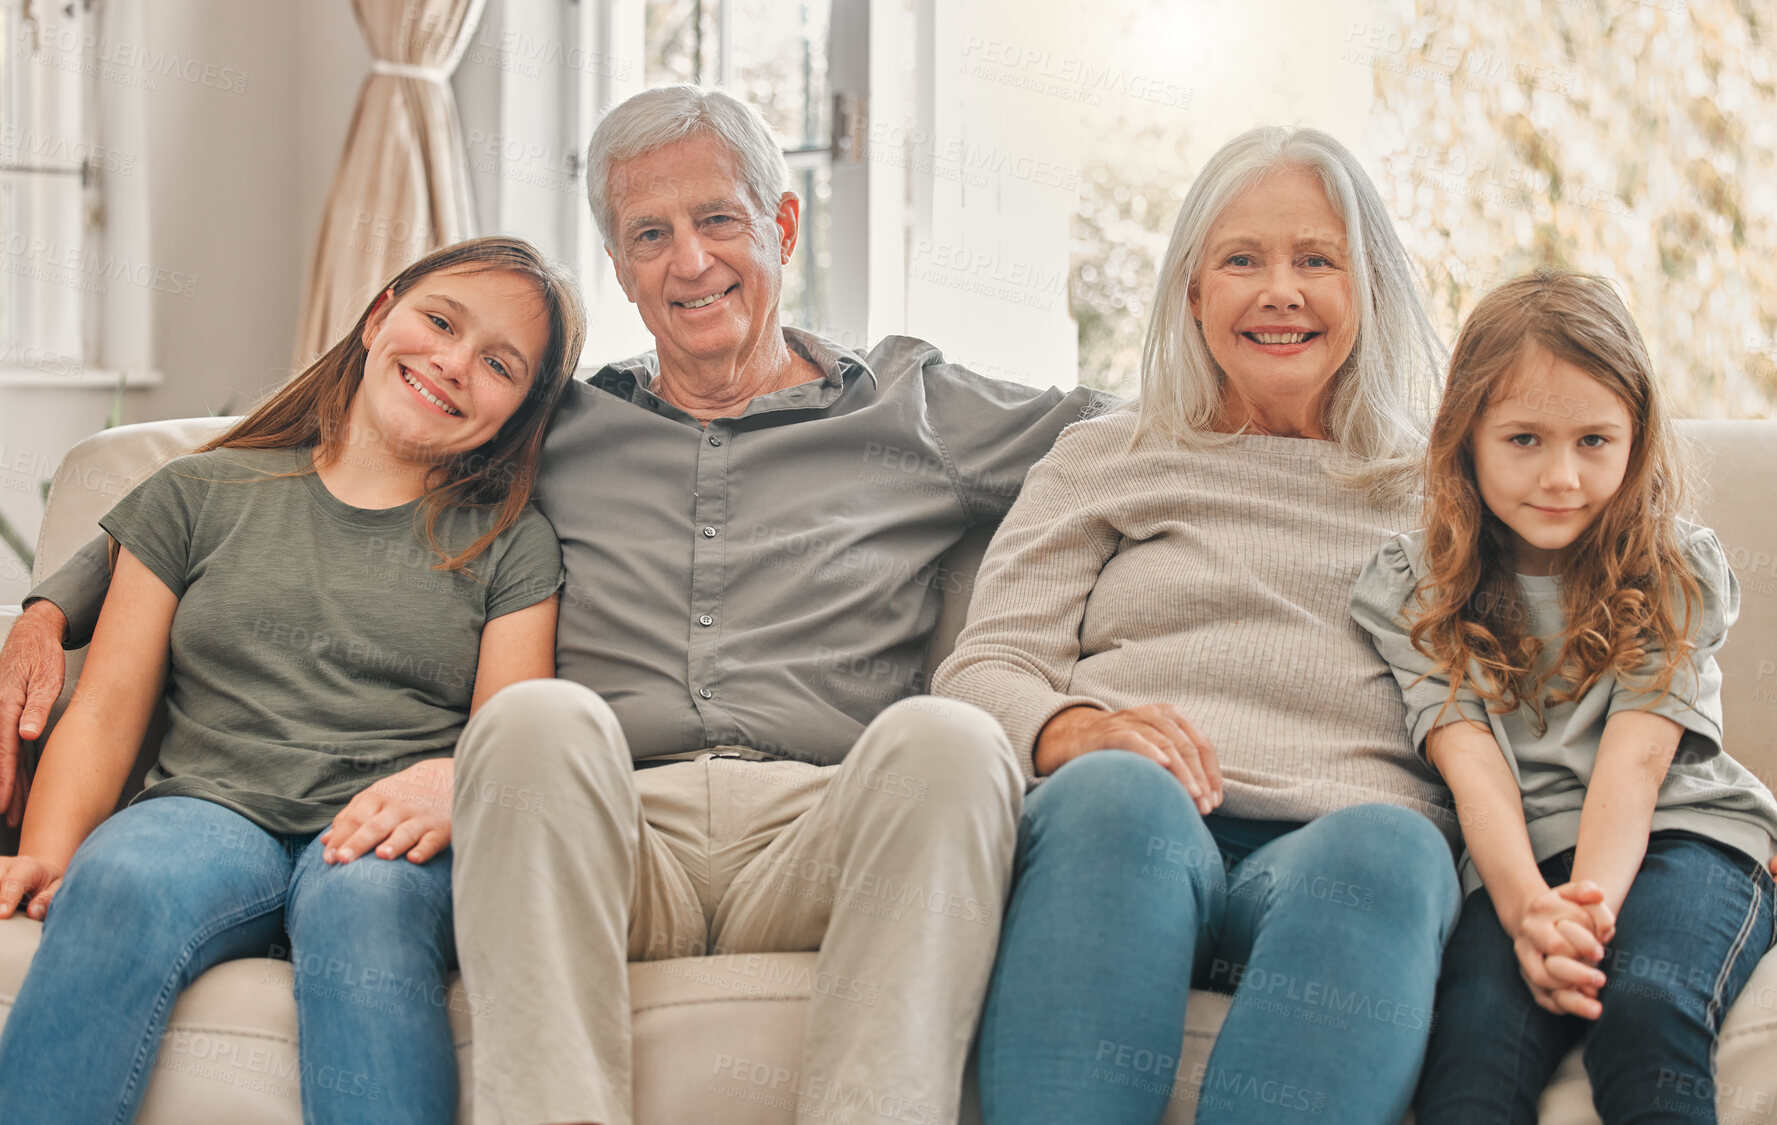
[(734, 759)]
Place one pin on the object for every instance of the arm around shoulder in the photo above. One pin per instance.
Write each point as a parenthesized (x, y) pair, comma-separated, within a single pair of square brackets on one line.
[(993, 431)]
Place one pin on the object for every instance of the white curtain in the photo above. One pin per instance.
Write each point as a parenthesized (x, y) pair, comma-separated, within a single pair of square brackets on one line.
[(402, 188)]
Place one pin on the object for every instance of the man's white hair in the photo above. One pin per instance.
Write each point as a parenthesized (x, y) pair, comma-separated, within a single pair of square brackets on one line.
[(666, 115)]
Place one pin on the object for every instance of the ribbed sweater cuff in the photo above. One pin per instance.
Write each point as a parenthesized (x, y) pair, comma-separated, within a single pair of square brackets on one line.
[(1027, 713)]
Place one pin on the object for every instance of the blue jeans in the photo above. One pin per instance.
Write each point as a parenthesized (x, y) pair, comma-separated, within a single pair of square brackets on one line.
[(1327, 933), (171, 886), (1694, 925)]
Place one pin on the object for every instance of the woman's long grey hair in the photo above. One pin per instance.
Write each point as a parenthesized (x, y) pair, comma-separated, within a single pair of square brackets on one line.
[(1383, 395)]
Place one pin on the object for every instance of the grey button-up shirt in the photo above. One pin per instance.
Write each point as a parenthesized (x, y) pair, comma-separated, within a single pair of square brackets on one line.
[(770, 580)]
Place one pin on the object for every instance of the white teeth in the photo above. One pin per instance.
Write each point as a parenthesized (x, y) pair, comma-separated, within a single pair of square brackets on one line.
[(702, 301), (1279, 337), (428, 395)]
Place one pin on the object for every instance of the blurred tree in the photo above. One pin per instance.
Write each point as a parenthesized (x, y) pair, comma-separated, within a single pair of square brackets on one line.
[(1636, 139)]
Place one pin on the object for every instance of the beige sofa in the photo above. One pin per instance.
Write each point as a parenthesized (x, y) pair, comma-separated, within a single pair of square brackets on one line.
[(717, 1038)]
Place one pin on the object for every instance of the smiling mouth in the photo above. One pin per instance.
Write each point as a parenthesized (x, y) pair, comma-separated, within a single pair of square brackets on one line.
[(1280, 337), (704, 302), (408, 378)]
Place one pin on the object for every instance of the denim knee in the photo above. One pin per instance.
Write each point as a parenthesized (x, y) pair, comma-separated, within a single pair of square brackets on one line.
[(1398, 861), (370, 902), (1119, 806)]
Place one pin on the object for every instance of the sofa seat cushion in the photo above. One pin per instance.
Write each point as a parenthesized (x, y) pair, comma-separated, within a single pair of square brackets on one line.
[(719, 1039), (229, 1053)]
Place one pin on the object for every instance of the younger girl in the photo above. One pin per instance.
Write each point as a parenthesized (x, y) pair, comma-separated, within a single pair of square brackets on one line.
[(1553, 628), (322, 594)]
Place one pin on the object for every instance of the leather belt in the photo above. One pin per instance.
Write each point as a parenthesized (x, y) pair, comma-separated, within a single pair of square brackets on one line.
[(741, 753)]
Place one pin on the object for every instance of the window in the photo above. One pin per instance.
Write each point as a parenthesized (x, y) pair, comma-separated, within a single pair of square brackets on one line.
[(76, 276), (48, 186), (1636, 140)]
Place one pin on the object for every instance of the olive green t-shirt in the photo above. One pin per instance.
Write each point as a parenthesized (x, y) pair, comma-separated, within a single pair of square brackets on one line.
[(314, 649)]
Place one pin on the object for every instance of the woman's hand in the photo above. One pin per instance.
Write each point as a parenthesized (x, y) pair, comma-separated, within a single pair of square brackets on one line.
[(1559, 939), (24, 877), (404, 812), (1157, 731)]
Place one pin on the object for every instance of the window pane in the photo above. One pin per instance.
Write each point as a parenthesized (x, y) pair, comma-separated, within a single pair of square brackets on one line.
[(804, 300), (780, 67), (45, 277), (684, 43)]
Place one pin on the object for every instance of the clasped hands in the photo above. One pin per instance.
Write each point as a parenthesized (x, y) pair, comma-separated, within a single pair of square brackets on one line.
[(1560, 938)]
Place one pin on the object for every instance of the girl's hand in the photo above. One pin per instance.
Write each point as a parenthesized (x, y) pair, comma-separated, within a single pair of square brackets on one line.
[(1554, 924), (25, 876), (407, 812), (1563, 986), (1558, 947), (1590, 897)]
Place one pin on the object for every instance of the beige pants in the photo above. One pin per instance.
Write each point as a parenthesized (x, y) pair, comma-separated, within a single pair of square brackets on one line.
[(570, 862)]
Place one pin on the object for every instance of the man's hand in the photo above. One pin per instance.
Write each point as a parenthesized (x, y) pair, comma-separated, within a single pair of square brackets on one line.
[(1157, 731), (32, 668), (405, 812)]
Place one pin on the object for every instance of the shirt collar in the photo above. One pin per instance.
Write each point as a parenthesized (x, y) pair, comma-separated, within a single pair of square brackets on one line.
[(630, 379)]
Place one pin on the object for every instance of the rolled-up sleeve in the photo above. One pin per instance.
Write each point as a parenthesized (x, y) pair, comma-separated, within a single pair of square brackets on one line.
[(77, 588), (1379, 603), (1693, 695), (1016, 656), (991, 431)]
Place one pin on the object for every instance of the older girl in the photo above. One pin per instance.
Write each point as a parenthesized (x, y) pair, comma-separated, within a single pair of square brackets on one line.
[(1554, 628), (322, 595)]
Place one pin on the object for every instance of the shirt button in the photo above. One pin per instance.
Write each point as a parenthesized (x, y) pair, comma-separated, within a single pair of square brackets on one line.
[(705, 692), (714, 440), (709, 533), (706, 619)]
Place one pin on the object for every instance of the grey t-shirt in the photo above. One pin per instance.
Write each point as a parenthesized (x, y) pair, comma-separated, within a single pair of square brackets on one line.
[(314, 649), (1705, 791)]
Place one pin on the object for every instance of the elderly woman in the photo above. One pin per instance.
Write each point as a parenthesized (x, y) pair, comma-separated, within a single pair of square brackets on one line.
[(1228, 795)]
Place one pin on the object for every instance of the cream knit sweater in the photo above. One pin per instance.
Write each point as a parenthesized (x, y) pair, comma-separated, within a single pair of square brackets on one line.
[(1215, 579)]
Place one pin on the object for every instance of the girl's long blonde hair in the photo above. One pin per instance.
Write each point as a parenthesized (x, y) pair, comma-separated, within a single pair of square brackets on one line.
[(1623, 574), (312, 409)]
